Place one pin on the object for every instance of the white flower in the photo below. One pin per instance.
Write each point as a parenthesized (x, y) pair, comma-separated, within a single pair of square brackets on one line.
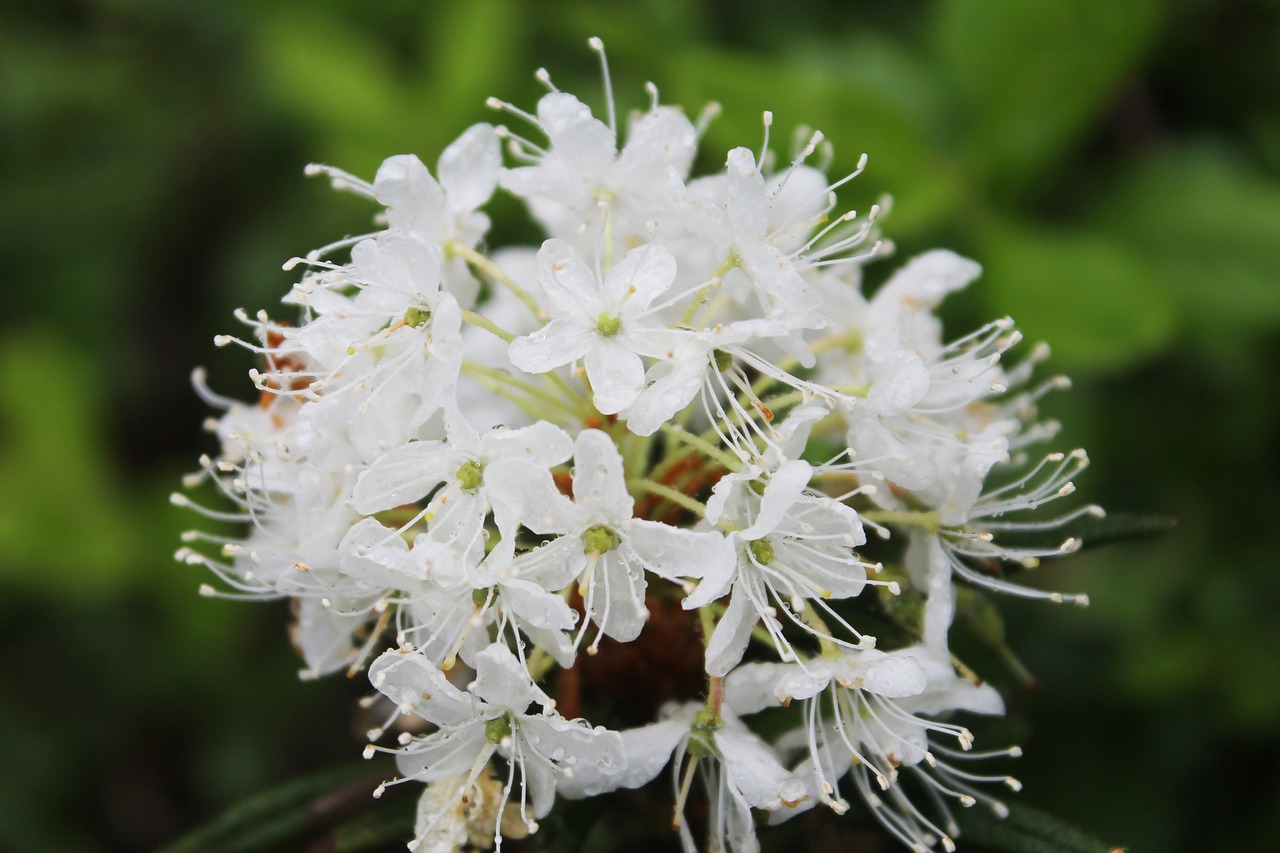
[(456, 512), (492, 719), (445, 212), (739, 770), (601, 544), (580, 173), (794, 549), (652, 393), (863, 715), (608, 323)]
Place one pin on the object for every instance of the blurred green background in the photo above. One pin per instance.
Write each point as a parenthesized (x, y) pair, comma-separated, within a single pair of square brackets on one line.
[(1114, 164)]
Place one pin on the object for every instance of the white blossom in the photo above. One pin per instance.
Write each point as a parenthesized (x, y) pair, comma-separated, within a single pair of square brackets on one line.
[(465, 455)]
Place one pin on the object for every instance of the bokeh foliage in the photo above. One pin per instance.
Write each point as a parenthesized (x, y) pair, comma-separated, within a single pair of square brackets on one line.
[(1114, 165)]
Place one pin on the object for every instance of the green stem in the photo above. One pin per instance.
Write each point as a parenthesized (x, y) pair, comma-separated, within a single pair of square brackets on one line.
[(540, 663), (504, 378), (814, 621), (697, 442), (679, 498), (563, 384), (488, 325), (927, 521), (495, 272)]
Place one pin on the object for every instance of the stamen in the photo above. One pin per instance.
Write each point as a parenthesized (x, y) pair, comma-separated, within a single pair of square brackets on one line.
[(598, 46)]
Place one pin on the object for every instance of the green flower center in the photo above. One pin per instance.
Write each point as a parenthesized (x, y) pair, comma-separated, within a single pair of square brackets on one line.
[(723, 360), (762, 550), (470, 475), (417, 317), (600, 540), (608, 325), (497, 729)]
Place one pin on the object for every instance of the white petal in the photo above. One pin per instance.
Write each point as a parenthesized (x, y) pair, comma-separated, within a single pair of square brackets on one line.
[(618, 600), (556, 344), (894, 676), (676, 385), (575, 135), (798, 684), (503, 682), (542, 444), (554, 565), (524, 493), (732, 633), (753, 687), (572, 289), (754, 770), (409, 678), (674, 553), (374, 553), (598, 481), (469, 167), (324, 636), (660, 139), (646, 750), (747, 205), (904, 381), (921, 285), (414, 200), (616, 374), (571, 743), (780, 494), (536, 606), (404, 476), (718, 580), (641, 277)]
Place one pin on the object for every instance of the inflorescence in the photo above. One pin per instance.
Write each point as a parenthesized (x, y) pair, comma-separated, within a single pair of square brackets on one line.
[(469, 467)]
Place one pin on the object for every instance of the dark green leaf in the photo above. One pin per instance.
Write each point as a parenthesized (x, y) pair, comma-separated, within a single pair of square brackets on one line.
[(1025, 830), (1119, 526), (291, 812)]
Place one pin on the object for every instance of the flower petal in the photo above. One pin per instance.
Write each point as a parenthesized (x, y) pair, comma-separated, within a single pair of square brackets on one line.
[(674, 553), (556, 344), (616, 374), (732, 633), (469, 167), (598, 481)]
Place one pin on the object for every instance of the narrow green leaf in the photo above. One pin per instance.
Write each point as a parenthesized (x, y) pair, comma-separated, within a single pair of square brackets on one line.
[(1118, 527), (1025, 830), (1094, 532), (292, 811)]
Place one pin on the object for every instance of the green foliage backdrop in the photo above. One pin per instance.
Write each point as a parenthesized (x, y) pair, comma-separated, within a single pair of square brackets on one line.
[(1114, 165)]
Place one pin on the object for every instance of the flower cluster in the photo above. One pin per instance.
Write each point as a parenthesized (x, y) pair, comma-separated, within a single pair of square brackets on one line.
[(472, 469)]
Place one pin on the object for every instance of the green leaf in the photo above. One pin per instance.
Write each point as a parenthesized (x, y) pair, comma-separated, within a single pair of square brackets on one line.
[(1033, 75), (1093, 532), (297, 810), (1210, 225), (1119, 527), (1098, 303), (1025, 830)]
